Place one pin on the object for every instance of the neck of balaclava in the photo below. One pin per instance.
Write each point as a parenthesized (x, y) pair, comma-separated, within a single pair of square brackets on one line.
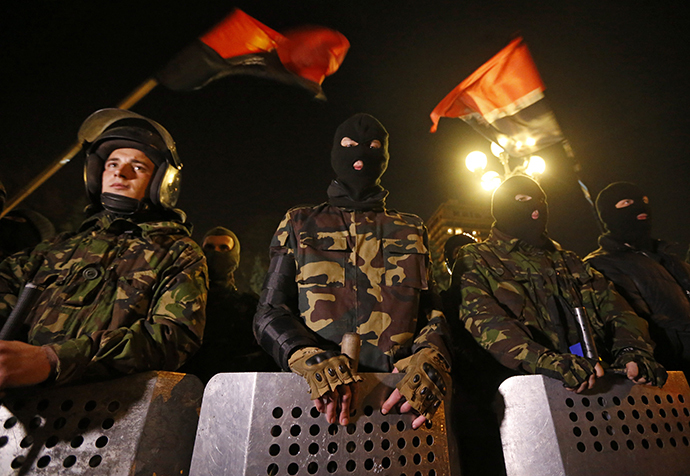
[(532, 233), (371, 198), (639, 238)]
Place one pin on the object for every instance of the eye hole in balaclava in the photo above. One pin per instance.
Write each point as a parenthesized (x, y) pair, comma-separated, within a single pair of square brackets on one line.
[(360, 154), (520, 209), (624, 209)]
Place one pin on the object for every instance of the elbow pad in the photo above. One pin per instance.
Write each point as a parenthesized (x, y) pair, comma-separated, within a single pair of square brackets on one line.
[(280, 334)]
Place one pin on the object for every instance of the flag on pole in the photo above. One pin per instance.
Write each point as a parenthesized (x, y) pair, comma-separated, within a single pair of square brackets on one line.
[(504, 101), (240, 44)]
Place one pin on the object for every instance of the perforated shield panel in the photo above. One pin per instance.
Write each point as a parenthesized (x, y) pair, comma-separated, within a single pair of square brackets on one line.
[(265, 424), (617, 428), (141, 424)]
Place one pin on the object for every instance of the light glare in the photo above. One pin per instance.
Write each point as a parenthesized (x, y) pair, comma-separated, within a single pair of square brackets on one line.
[(491, 180), (475, 160), (536, 165)]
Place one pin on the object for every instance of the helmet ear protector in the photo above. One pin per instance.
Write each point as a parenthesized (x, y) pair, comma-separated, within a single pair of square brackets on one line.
[(119, 124)]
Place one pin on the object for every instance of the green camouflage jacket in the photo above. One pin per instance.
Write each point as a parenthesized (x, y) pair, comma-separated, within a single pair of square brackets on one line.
[(119, 297), (512, 295), (364, 272)]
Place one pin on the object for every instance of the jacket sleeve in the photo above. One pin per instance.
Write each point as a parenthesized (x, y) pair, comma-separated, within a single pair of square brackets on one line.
[(277, 326), (171, 331), (434, 331), (492, 324), (622, 327)]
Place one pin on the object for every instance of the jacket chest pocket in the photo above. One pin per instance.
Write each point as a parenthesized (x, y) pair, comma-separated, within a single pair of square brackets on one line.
[(405, 262), (321, 259), (83, 285)]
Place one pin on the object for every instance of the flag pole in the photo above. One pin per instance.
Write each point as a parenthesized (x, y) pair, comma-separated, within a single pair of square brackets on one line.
[(585, 191), (134, 97)]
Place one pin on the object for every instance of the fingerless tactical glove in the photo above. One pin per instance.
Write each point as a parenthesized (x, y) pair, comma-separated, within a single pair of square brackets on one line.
[(323, 370), (427, 376), (648, 368), (571, 369)]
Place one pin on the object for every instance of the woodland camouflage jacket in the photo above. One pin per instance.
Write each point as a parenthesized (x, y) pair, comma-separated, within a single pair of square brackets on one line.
[(517, 301), (119, 297), (364, 272)]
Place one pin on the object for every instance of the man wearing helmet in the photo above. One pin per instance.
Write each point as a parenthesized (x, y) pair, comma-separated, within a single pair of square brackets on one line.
[(125, 293)]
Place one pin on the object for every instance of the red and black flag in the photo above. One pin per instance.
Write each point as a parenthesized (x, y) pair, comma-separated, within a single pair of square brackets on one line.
[(504, 101), (242, 45)]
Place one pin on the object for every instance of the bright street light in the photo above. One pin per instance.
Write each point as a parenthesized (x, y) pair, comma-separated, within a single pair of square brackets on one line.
[(491, 180), (475, 161)]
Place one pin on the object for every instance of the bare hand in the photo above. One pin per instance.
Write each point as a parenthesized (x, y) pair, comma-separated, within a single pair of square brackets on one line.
[(338, 403), (598, 373), (22, 364), (394, 399)]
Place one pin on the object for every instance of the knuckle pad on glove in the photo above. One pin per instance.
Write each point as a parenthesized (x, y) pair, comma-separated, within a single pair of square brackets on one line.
[(424, 384), (324, 371)]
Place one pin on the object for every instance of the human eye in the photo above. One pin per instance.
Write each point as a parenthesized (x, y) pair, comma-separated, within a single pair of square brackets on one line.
[(520, 197), (375, 144), (626, 202), (347, 142)]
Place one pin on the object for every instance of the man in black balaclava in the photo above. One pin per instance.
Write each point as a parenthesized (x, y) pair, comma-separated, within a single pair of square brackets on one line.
[(359, 158), (655, 282), (222, 250), (352, 266), (519, 209), (229, 345), (519, 292)]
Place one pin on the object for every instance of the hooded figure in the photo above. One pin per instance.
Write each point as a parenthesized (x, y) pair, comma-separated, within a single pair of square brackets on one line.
[(624, 209), (519, 207), (655, 282), (359, 158), (222, 250)]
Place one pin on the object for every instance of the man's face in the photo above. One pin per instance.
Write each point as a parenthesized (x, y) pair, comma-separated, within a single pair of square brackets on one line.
[(626, 202), (127, 172), (223, 243)]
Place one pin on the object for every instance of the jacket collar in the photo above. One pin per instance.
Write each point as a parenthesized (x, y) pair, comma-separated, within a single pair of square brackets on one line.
[(509, 243)]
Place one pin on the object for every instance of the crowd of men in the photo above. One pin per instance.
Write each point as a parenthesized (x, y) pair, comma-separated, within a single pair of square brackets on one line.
[(130, 291)]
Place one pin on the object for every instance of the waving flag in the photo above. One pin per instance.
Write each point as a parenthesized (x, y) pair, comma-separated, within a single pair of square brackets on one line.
[(242, 45), (504, 101)]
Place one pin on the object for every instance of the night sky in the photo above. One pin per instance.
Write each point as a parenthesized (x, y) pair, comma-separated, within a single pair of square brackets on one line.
[(616, 76)]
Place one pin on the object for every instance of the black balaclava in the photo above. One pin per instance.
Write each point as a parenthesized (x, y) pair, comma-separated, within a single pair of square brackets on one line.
[(525, 220), (222, 264), (363, 129), (631, 224)]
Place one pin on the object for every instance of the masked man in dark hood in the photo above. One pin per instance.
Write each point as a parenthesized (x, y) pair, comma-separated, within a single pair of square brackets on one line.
[(655, 282), (229, 345), (519, 291), (351, 265), (126, 293)]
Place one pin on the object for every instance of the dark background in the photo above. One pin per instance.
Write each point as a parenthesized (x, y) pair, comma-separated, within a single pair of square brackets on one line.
[(616, 76)]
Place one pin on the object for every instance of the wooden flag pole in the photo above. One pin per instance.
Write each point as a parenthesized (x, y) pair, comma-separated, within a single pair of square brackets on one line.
[(134, 97)]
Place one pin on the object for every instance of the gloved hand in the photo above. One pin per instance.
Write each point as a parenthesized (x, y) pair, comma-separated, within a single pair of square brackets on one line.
[(323, 370), (427, 376), (648, 368), (571, 369)]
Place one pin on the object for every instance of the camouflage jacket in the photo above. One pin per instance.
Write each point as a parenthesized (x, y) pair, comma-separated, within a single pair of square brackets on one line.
[(364, 272), (119, 297), (517, 301)]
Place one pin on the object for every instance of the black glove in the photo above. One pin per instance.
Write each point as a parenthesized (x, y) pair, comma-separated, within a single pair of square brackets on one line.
[(571, 369), (648, 368)]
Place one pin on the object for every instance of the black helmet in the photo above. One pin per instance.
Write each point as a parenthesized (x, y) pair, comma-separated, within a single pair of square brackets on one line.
[(110, 129)]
